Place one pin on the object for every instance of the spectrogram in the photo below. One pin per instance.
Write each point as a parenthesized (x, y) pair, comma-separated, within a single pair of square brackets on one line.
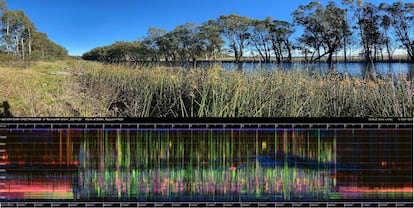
[(281, 164)]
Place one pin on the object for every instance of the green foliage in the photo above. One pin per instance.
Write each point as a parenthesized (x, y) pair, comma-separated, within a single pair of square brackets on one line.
[(326, 32), (43, 48), (19, 36), (211, 33), (271, 34), (3, 7), (324, 28), (235, 29), (368, 25), (401, 17), (7, 59), (119, 52)]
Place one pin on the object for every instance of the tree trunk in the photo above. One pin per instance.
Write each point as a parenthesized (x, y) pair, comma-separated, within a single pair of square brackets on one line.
[(306, 55), (214, 55), (387, 45), (194, 62), (22, 44), (267, 53), (236, 54), (30, 48), (263, 58), (289, 52), (345, 50), (30, 44), (7, 33), (279, 46), (329, 60), (16, 43), (410, 51), (367, 52)]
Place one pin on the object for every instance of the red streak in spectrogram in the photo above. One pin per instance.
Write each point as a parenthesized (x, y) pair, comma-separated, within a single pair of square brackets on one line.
[(43, 186), (379, 190)]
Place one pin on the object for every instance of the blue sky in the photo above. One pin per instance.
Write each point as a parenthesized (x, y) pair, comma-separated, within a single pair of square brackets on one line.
[(80, 25)]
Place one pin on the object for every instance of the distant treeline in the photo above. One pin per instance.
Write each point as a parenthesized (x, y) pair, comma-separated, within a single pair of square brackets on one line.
[(19, 37), (376, 31)]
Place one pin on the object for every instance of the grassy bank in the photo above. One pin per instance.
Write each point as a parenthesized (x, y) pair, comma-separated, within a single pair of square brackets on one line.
[(31, 90), (77, 88)]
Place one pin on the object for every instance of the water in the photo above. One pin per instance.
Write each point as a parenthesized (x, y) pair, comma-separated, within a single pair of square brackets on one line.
[(352, 69)]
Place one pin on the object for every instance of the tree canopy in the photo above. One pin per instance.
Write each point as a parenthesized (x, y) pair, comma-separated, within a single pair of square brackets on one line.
[(324, 31), (19, 37)]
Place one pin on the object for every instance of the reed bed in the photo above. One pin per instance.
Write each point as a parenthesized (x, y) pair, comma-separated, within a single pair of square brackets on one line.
[(177, 92)]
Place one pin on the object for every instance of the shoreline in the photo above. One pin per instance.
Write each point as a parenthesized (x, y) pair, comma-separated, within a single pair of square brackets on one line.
[(265, 62)]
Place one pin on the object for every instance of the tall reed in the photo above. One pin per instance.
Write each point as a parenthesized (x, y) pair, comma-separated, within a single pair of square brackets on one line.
[(177, 92)]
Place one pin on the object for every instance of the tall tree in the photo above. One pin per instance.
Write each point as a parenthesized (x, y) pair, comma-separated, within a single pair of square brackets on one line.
[(44, 48), (151, 42), (161, 43), (3, 8), (96, 54), (368, 23), (280, 32), (402, 20), (387, 40), (17, 32), (137, 52), (211, 33), (260, 39), (190, 42), (323, 28), (168, 44), (235, 30)]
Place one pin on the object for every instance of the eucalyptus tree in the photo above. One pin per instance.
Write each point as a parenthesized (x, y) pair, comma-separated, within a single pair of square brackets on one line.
[(190, 42), (260, 39), (168, 44), (118, 52), (3, 6), (368, 23), (235, 30), (385, 24), (210, 31), (137, 51), (151, 42), (161, 43), (402, 20), (323, 28), (95, 54), (19, 36), (17, 32), (279, 35), (43, 47)]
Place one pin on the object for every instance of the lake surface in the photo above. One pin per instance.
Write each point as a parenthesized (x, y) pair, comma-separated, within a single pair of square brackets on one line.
[(352, 69)]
